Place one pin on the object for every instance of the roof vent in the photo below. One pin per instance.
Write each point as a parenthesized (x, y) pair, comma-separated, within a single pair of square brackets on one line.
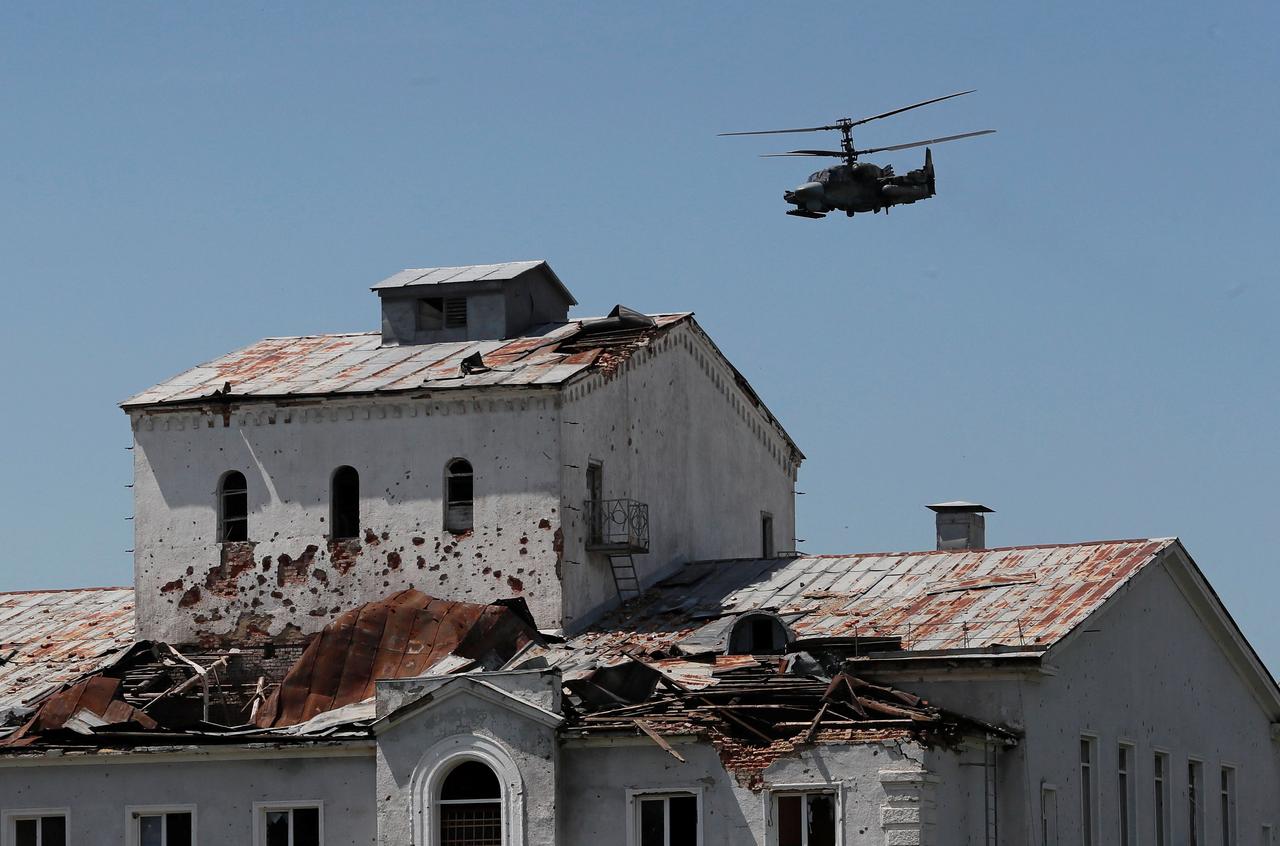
[(961, 525)]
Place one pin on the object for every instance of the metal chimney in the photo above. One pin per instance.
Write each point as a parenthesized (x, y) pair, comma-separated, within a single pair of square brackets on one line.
[(961, 525)]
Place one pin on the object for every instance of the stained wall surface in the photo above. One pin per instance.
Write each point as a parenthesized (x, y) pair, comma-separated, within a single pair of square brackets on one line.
[(674, 430), (291, 578)]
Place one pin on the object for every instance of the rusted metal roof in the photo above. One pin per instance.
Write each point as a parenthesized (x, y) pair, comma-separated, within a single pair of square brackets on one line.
[(92, 703), (358, 363), (401, 636), (51, 638), (1020, 597)]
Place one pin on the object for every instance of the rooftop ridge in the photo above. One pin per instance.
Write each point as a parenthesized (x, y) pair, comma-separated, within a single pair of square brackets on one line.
[(1162, 540), (64, 590)]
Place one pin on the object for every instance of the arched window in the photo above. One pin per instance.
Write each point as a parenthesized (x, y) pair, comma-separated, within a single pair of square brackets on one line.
[(470, 806), (458, 510), (233, 507), (344, 503)]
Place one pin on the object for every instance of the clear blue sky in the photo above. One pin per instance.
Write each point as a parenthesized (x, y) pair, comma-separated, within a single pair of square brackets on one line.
[(1079, 330)]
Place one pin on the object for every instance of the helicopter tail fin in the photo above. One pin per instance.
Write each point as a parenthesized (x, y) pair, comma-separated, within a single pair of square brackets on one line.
[(928, 170)]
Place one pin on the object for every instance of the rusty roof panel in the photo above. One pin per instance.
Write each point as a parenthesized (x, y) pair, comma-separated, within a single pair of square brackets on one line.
[(397, 637), (51, 638), (359, 364), (955, 599)]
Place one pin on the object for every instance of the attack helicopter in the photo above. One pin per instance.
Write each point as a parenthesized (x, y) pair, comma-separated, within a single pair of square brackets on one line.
[(856, 186)]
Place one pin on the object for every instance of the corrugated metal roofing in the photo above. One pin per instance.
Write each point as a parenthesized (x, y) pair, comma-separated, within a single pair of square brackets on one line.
[(357, 363), (463, 273), (937, 600), (50, 638)]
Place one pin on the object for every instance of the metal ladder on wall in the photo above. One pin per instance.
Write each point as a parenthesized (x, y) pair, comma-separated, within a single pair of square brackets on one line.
[(625, 580)]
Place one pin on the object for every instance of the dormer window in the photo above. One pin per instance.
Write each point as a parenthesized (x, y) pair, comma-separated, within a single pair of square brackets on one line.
[(442, 313), (758, 634)]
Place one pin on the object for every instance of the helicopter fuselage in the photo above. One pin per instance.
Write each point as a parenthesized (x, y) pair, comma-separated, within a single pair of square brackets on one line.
[(859, 187)]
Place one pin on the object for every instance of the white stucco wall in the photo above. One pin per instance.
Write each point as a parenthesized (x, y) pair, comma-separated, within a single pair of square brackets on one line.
[(672, 429), (291, 581), (223, 791), (886, 790), (1144, 671)]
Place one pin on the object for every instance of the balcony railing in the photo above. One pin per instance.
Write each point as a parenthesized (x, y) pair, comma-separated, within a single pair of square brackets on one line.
[(617, 526)]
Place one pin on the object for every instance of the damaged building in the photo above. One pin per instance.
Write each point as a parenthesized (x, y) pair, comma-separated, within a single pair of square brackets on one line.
[(497, 575)]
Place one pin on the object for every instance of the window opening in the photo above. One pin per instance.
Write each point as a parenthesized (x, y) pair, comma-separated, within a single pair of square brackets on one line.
[(669, 820), (291, 826), (766, 534), (344, 503), (1195, 803), (806, 819), (39, 830), (233, 508), (1161, 805), (164, 829), (442, 313), (1227, 796), (595, 496), (459, 504), (1124, 781), (758, 634), (470, 806), (1088, 807)]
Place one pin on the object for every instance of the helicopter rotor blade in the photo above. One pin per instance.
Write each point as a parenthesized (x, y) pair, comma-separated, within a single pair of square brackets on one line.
[(836, 153), (912, 106), (924, 143), (781, 131)]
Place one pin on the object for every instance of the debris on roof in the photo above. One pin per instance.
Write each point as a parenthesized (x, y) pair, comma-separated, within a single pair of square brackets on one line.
[(402, 636), (50, 638), (358, 363)]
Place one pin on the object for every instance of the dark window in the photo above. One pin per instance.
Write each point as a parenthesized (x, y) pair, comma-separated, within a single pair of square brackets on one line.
[(766, 535), (344, 503), (669, 820), (1195, 802), (292, 827), (1086, 791), (758, 634), (807, 819), (470, 806), (40, 831), (233, 507), (442, 313), (173, 829), (458, 496), (595, 498)]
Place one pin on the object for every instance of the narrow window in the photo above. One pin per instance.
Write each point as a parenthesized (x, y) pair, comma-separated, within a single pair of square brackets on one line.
[(1195, 803), (766, 534), (670, 820), (1127, 796), (1161, 805), (458, 503), (595, 502), (38, 828), (470, 806), (162, 828), (1048, 815), (1227, 801), (1266, 835), (1088, 802), (233, 508), (286, 825), (805, 819), (344, 503)]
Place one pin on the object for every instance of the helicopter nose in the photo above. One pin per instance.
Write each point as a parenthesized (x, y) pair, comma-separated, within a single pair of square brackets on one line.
[(807, 191)]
